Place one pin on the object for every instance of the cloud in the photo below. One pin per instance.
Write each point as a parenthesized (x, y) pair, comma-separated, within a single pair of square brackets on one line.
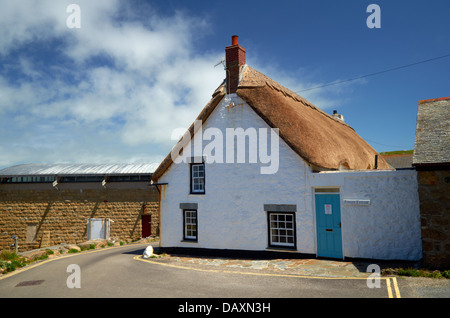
[(122, 82), (114, 89)]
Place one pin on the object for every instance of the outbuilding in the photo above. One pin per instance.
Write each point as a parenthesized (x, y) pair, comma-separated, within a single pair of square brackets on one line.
[(48, 204)]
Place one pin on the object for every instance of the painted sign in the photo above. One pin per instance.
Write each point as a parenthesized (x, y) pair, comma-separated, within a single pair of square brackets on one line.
[(356, 202)]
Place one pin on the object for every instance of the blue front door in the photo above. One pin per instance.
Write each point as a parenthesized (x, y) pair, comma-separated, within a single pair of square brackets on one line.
[(328, 225)]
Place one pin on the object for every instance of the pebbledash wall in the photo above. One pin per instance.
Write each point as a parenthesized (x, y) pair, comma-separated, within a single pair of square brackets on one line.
[(231, 214), (41, 216)]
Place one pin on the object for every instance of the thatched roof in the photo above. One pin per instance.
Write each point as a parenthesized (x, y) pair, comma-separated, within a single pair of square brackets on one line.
[(324, 142)]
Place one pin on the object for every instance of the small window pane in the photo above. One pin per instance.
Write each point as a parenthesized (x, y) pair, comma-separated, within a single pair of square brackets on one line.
[(282, 231), (198, 178), (190, 225)]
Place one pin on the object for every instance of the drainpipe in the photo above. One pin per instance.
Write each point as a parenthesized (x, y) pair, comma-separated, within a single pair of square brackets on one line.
[(159, 206)]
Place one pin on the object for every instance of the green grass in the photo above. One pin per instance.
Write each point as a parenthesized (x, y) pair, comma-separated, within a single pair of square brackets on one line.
[(397, 152), (10, 261), (412, 272), (8, 256)]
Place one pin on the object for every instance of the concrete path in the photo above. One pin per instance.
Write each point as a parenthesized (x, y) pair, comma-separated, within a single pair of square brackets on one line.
[(301, 267)]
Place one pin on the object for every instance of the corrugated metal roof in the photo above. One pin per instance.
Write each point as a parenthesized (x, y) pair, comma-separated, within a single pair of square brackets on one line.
[(78, 169)]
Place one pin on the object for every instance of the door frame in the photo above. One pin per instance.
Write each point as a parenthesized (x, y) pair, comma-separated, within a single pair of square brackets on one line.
[(104, 231), (327, 191)]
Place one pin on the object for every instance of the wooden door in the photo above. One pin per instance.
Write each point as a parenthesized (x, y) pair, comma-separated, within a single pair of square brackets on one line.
[(146, 225)]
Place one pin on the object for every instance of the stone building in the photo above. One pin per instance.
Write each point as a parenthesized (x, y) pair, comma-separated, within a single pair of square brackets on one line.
[(432, 162), (45, 205), (399, 159)]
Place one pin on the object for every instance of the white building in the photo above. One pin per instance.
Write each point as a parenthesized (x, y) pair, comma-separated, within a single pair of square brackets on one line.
[(317, 189)]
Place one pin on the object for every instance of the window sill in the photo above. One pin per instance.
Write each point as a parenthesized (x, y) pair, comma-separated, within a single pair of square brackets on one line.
[(188, 241), (281, 249)]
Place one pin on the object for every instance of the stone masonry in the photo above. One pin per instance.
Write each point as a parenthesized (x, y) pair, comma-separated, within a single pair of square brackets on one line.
[(46, 217), (432, 161), (434, 190)]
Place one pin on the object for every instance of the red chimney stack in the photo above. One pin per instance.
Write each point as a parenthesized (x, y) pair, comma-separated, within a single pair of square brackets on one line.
[(235, 58)]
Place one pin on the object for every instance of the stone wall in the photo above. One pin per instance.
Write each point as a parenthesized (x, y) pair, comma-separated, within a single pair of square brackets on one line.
[(434, 194), (40, 215)]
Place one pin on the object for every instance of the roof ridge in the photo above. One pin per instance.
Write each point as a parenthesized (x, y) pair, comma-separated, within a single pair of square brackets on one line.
[(258, 79)]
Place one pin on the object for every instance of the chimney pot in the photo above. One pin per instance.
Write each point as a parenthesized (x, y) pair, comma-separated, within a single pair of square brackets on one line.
[(235, 59), (235, 40)]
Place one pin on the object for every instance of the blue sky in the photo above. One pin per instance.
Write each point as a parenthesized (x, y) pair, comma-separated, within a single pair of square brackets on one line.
[(114, 89)]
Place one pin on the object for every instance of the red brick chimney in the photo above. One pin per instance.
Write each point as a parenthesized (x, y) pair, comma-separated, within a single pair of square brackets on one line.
[(235, 58)]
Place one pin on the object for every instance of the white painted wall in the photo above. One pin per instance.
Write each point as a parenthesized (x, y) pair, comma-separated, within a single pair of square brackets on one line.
[(388, 228), (231, 214)]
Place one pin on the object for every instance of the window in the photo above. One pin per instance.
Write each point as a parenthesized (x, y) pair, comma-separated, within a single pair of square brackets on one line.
[(28, 179), (281, 229), (198, 178), (190, 225)]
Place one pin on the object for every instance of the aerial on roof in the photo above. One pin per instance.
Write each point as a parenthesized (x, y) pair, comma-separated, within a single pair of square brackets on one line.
[(78, 169), (432, 142), (324, 142)]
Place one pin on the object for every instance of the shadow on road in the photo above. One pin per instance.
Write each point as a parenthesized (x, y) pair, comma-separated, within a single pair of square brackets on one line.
[(138, 251)]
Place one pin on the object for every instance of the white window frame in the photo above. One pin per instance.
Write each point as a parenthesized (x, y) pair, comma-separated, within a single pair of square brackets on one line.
[(190, 225), (279, 231), (195, 178)]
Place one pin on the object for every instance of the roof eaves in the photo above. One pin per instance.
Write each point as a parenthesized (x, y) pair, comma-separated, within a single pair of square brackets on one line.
[(203, 116)]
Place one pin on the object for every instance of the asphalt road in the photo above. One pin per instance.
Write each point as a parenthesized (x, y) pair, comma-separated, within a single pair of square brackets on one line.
[(118, 273)]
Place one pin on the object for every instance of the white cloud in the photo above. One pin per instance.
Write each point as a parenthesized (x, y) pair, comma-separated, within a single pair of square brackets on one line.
[(123, 84), (113, 90)]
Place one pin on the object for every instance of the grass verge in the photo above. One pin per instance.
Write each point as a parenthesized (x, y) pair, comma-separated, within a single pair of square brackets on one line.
[(413, 272)]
